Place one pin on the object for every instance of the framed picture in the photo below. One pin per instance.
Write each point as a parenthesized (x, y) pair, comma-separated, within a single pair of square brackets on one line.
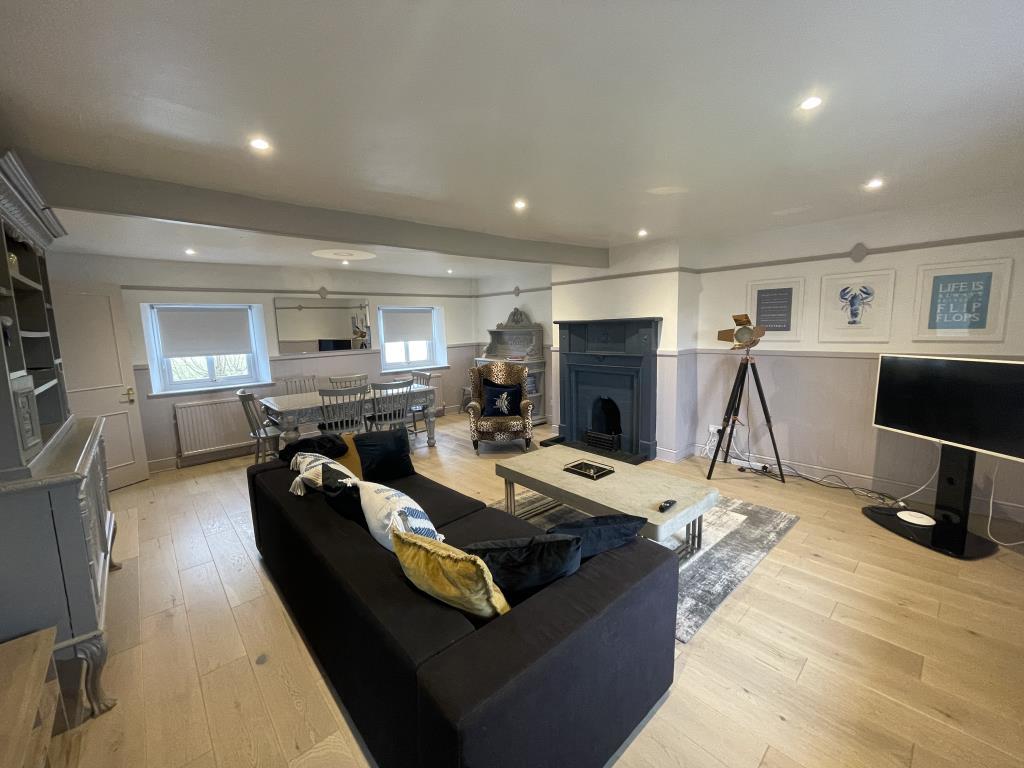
[(778, 306), (856, 306), (964, 301)]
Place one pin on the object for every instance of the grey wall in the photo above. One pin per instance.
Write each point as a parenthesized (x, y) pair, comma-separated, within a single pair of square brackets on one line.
[(821, 405)]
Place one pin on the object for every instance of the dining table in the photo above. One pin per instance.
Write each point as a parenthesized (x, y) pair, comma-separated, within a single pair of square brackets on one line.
[(289, 412)]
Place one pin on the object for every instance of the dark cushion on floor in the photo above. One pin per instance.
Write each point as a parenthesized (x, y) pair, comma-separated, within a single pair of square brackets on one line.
[(442, 504), (330, 446), (484, 524), (602, 533), (523, 565), (384, 455)]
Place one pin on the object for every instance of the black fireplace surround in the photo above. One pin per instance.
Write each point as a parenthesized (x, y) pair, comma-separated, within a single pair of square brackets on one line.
[(608, 384)]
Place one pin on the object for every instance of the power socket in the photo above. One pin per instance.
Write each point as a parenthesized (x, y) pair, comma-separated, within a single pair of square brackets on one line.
[(713, 429)]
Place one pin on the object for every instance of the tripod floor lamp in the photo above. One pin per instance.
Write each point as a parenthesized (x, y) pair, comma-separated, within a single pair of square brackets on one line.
[(743, 336)]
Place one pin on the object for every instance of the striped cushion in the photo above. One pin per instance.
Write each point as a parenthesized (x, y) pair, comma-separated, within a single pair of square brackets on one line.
[(386, 509), (310, 467)]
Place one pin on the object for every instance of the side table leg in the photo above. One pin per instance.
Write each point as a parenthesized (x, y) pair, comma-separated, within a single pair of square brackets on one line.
[(94, 653)]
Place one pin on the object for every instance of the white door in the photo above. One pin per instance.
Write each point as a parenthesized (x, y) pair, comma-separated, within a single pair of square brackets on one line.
[(96, 351)]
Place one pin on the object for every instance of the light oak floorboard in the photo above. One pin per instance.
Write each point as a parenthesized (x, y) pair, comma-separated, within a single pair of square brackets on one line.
[(844, 648), (124, 610), (239, 724)]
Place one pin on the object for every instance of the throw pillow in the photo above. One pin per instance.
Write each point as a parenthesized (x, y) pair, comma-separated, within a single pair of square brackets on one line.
[(448, 574), (310, 468), (600, 534), (522, 567), (501, 399), (342, 495), (330, 446), (384, 455), (387, 509)]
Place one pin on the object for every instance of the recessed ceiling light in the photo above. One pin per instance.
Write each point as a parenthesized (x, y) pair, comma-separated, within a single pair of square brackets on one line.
[(642, 233), (345, 262), (450, 271), (344, 255), (259, 143), (875, 183), (519, 204), (670, 190), (811, 102), (190, 251)]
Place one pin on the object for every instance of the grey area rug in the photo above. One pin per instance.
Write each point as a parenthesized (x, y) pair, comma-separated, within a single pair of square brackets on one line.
[(737, 536)]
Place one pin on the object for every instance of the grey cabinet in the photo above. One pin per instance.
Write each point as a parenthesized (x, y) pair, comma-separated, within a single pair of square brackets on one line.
[(56, 527)]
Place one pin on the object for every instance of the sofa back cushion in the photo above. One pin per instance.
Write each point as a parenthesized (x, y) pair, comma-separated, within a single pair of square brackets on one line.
[(522, 566), (599, 534)]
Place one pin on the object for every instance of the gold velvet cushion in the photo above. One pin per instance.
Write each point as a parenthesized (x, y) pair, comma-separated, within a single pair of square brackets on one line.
[(351, 460), (449, 574)]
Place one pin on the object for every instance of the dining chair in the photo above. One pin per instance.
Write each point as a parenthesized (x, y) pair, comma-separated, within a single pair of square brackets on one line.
[(265, 435), (341, 410), (346, 382), (421, 378), (300, 384), (390, 404)]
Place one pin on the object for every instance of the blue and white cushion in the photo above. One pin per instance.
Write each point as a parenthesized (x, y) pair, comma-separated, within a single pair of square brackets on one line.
[(386, 508), (310, 467)]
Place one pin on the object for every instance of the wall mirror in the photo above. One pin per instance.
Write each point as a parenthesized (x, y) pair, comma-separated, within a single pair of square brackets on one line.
[(307, 325)]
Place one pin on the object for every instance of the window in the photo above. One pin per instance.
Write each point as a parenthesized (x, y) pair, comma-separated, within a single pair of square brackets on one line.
[(200, 346), (411, 338)]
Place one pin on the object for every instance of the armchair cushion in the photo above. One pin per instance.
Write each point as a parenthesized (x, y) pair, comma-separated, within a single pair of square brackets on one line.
[(502, 399)]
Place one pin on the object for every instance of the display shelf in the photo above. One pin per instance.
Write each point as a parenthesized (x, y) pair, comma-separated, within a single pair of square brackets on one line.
[(21, 283), (34, 334)]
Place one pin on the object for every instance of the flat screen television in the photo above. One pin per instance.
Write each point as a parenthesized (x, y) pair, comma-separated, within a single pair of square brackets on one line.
[(973, 404), (969, 406), (333, 345)]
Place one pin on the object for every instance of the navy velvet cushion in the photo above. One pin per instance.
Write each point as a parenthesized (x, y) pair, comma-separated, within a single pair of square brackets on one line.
[(599, 534), (330, 446), (521, 567), (501, 399), (342, 498), (384, 455)]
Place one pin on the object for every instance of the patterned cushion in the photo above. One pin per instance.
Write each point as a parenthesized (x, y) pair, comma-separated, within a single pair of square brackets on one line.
[(449, 575), (387, 510), (310, 468)]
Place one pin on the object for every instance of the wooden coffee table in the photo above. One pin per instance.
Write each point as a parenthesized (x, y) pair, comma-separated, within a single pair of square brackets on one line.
[(635, 490)]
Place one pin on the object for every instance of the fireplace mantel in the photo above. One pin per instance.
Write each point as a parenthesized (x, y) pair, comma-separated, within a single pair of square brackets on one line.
[(615, 359)]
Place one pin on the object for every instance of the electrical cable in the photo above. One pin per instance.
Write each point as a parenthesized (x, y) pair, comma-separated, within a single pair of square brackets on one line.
[(901, 499), (991, 502)]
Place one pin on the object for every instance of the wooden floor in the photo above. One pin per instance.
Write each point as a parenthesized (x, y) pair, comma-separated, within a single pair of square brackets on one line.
[(847, 646)]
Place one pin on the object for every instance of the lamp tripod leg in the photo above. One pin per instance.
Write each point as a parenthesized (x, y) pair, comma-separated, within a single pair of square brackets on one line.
[(742, 377), (731, 410), (767, 419)]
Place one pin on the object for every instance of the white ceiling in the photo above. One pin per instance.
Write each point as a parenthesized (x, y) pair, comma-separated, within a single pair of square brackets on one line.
[(442, 111), (138, 238)]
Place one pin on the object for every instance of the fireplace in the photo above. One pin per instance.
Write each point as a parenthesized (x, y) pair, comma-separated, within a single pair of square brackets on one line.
[(608, 386)]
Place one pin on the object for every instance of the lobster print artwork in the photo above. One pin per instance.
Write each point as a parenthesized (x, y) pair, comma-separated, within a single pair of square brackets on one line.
[(855, 302)]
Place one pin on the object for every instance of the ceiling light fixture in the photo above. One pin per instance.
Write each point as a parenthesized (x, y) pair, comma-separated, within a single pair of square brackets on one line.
[(811, 102), (259, 143), (641, 233), (875, 183), (519, 204), (344, 255), (345, 262), (190, 251), (670, 190), (450, 271)]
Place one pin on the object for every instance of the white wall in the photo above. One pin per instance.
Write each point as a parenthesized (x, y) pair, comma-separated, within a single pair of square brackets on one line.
[(455, 295), (491, 310)]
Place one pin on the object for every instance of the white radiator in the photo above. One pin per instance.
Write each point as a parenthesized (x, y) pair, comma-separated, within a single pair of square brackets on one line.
[(211, 425)]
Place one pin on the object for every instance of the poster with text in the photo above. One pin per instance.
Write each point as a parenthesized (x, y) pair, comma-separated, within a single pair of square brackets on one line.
[(856, 307), (963, 301), (778, 306)]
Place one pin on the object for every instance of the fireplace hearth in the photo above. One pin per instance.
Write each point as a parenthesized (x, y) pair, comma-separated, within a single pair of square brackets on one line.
[(608, 386)]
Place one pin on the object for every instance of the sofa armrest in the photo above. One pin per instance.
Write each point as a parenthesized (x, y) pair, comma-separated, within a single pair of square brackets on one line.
[(527, 410), (564, 677), (474, 409)]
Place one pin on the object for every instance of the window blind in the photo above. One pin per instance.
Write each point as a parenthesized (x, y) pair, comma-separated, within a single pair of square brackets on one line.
[(201, 331), (413, 324)]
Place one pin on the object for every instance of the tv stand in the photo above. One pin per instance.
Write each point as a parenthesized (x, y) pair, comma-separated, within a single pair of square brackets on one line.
[(952, 511)]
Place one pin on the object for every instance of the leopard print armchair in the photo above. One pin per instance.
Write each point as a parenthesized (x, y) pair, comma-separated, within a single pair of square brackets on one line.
[(500, 428)]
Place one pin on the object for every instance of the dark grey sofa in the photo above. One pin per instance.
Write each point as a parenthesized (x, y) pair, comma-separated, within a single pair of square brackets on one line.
[(560, 680)]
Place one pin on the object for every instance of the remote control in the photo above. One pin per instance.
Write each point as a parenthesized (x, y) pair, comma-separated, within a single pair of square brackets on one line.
[(666, 505)]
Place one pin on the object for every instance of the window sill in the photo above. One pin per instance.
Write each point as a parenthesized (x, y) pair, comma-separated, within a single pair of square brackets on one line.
[(392, 371), (204, 390)]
